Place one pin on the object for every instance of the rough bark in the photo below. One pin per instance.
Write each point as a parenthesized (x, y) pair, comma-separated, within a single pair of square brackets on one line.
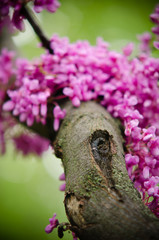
[(100, 200)]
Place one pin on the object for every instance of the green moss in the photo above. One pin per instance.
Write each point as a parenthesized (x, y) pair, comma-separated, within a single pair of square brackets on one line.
[(92, 181)]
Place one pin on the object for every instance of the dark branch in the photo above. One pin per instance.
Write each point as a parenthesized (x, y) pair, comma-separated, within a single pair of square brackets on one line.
[(45, 42)]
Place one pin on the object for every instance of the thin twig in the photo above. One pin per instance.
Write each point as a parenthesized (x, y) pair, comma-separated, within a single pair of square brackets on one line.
[(45, 42)]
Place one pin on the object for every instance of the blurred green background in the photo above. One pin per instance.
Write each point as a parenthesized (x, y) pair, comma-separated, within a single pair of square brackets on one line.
[(29, 185)]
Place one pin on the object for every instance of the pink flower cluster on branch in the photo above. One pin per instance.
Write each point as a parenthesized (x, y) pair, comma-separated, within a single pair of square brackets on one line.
[(26, 143), (145, 39), (49, 5), (53, 224), (17, 17), (31, 143), (155, 19), (127, 88)]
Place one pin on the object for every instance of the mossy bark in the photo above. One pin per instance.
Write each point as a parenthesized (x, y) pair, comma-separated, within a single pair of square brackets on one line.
[(100, 200)]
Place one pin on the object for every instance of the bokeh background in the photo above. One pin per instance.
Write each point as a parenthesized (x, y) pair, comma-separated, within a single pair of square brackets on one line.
[(29, 185)]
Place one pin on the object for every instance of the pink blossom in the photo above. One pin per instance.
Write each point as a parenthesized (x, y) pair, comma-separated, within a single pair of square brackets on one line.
[(151, 162), (145, 39), (154, 146), (149, 133), (131, 160), (58, 114), (50, 5), (53, 224), (8, 106), (62, 177), (76, 101), (156, 44), (130, 125), (31, 144), (155, 30), (146, 172), (155, 18), (154, 191), (62, 186), (68, 92), (127, 50), (74, 236), (136, 134), (152, 182)]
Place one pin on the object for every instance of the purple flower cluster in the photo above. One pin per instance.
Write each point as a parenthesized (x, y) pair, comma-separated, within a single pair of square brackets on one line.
[(17, 18), (29, 101), (127, 88), (145, 39), (49, 5), (31, 143), (26, 143), (34, 85), (53, 224), (155, 19)]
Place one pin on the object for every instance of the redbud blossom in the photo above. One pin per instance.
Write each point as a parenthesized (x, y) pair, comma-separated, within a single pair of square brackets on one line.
[(155, 18), (53, 224), (58, 114)]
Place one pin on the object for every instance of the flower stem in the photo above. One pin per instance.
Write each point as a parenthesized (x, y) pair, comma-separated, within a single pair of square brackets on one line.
[(45, 42)]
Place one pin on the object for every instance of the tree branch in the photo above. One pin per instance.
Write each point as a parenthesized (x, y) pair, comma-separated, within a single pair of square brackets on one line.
[(45, 42), (100, 200)]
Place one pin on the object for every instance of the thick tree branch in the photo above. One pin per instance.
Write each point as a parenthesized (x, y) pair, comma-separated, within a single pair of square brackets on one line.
[(100, 200)]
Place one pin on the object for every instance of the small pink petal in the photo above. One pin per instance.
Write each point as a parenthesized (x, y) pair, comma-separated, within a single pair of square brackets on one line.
[(43, 109), (56, 124), (35, 110), (127, 50), (76, 102), (155, 30), (62, 187), (62, 177), (68, 91), (8, 106), (49, 228), (156, 45), (56, 111), (146, 172), (30, 120), (155, 18), (23, 117)]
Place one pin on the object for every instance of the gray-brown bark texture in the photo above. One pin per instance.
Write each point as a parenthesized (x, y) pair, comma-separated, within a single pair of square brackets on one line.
[(100, 200)]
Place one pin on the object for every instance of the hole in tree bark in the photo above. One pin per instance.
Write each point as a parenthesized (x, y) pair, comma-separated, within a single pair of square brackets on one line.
[(101, 148)]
